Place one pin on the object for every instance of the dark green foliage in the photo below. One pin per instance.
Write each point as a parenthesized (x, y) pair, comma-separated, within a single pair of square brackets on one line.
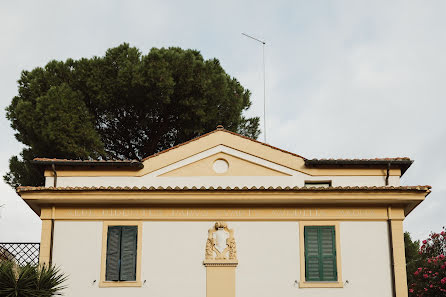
[(123, 105), (427, 274), (413, 257), (22, 172), (29, 281), (50, 281)]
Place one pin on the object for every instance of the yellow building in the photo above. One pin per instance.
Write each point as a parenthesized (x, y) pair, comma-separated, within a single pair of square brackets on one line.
[(224, 215)]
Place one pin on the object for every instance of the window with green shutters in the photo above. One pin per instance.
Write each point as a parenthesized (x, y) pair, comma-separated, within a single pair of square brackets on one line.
[(320, 253), (121, 253)]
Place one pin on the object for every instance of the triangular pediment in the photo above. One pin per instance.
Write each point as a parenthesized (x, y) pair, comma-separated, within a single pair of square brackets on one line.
[(243, 155), (224, 164)]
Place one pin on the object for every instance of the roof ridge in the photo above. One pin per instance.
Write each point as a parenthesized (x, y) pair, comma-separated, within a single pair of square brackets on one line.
[(224, 130)]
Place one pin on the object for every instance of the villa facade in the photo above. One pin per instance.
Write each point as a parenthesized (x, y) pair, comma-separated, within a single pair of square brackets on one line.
[(222, 216)]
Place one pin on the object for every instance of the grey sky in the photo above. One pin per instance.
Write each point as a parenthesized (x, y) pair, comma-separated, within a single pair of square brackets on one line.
[(346, 79)]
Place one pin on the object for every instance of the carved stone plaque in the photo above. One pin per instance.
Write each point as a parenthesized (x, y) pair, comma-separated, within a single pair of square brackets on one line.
[(220, 245)]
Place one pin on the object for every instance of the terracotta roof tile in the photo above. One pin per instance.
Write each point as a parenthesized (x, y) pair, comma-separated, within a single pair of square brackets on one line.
[(296, 189), (372, 159), (405, 161), (80, 160), (402, 163), (73, 162)]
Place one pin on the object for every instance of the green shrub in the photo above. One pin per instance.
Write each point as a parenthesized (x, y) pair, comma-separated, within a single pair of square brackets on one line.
[(30, 281)]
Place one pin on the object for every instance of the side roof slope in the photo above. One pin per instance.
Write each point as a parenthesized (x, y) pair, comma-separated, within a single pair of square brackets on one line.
[(402, 163)]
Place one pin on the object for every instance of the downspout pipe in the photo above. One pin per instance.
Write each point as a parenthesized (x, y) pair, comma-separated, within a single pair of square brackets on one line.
[(53, 211), (53, 166), (388, 173), (390, 236)]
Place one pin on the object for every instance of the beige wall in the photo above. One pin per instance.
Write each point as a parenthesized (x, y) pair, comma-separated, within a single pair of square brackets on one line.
[(269, 260), (233, 181), (240, 178), (268, 254)]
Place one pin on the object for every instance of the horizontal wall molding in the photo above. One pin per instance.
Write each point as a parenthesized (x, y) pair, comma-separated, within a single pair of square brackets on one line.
[(221, 213)]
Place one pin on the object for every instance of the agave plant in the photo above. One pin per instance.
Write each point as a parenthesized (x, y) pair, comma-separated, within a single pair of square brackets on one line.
[(30, 281), (50, 281)]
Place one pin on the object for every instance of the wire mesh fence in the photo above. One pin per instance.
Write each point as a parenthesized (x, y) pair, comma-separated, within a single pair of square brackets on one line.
[(21, 253)]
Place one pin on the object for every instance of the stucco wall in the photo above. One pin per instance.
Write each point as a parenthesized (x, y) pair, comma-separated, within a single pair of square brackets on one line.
[(223, 181), (202, 175), (268, 254)]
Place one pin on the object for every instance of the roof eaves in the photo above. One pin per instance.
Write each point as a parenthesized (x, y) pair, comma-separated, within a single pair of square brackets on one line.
[(425, 188), (134, 164), (402, 163)]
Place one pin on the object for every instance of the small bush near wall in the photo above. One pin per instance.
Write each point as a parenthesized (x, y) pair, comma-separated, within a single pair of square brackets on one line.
[(30, 280), (429, 279)]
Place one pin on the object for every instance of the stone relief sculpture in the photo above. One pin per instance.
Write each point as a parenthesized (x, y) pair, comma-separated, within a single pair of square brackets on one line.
[(210, 243), (232, 249), (220, 244), (220, 261)]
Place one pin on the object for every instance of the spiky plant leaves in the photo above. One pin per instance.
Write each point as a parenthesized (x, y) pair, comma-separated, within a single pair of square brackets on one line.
[(17, 281), (26, 282), (8, 279), (50, 281), (30, 281)]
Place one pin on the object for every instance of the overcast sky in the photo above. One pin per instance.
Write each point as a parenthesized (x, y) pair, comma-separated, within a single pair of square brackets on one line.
[(345, 79)]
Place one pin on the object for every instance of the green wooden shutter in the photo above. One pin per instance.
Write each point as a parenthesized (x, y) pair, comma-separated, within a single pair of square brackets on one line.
[(113, 253), (312, 261), (320, 253), (128, 253), (328, 253)]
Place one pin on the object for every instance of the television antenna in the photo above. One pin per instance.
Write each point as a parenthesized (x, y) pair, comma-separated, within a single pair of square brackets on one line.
[(264, 79)]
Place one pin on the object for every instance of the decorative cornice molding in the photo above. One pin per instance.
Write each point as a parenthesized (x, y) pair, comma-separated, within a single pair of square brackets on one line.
[(220, 263), (253, 188)]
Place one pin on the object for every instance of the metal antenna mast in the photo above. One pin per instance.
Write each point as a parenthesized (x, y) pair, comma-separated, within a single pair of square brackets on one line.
[(264, 84)]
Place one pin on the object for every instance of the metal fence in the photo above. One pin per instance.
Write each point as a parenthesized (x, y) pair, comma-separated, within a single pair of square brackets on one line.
[(20, 252)]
